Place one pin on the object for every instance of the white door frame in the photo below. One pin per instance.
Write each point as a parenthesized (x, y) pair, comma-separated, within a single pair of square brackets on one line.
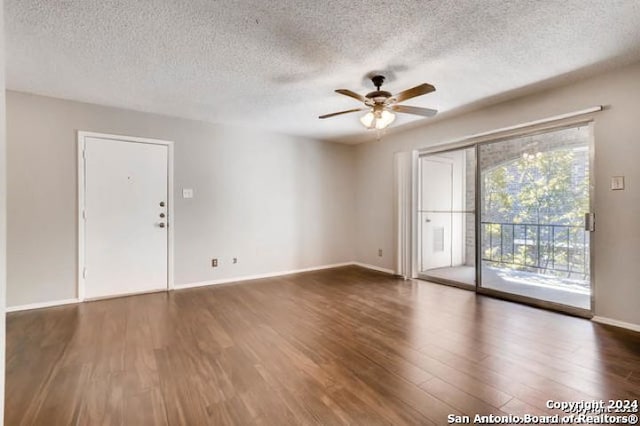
[(452, 163), (82, 135)]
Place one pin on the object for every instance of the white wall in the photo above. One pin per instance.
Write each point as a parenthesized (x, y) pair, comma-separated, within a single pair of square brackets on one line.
[(3, 216), (617, 152), (275, 202)]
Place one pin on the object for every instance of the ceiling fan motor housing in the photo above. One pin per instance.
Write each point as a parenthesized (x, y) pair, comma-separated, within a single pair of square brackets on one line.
[(378, 94)]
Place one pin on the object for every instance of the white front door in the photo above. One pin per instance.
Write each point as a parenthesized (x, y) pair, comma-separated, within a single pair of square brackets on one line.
[(125, 204), (436, 201)]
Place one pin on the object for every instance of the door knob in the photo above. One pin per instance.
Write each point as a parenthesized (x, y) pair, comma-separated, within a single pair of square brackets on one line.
[(161, 214), (161, 203), (161, 225)]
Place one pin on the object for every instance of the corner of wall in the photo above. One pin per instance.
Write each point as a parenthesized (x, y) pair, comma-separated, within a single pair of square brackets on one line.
[(3, 215)]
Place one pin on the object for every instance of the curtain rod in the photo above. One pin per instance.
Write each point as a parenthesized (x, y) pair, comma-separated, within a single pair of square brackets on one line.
[(461, 141)]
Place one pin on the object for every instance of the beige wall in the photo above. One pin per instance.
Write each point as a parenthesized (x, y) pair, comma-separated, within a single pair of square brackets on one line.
[(275, 202), (280, 203), (617, 152)]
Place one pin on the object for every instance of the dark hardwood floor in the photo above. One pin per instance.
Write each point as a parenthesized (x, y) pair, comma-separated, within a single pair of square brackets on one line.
[(342, 346)]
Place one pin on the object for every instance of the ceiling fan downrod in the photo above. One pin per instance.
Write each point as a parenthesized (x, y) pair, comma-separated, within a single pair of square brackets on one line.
[(377, 80)]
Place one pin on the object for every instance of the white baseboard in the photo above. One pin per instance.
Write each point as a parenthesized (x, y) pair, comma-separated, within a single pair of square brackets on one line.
[(616, 323), (41, 305), (211, 282), (373, 267), (258, 276)]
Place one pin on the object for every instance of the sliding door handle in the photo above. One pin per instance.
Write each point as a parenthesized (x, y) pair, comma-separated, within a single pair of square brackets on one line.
[(589, 222)]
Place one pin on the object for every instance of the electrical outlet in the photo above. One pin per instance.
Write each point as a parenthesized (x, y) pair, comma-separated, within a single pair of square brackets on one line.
[(379, 252), (235, 260), (214, 263)]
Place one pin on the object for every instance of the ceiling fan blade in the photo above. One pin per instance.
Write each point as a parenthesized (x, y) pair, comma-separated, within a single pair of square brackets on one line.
[(423, 89), (343, 112), (351, 94), (425, 112)]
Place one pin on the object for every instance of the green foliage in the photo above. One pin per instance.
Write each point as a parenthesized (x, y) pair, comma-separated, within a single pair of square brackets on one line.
[(539, 188), (545, 188)]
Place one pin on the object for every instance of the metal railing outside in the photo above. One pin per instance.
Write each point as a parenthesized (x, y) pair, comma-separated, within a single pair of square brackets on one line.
[(561, 249)]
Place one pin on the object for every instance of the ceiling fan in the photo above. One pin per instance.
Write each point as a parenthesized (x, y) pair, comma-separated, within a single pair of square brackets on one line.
[(381, 104)]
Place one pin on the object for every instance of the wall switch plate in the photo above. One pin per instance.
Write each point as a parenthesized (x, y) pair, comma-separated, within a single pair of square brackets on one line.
[(617, 183), (187, 193), (214, 263)]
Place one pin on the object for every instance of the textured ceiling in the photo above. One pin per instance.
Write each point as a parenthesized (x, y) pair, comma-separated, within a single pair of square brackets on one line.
[(274, 64)]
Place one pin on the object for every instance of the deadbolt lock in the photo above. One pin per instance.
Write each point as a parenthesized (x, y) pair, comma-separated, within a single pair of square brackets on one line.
[(162, 215)]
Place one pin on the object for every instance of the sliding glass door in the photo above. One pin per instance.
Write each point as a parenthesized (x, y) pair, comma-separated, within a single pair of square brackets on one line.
[(446, 219), (532, 239), (534, 194)]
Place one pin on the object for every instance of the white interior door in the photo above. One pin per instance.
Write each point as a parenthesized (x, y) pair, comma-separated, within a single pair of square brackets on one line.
[(436, 200), (126, 199)]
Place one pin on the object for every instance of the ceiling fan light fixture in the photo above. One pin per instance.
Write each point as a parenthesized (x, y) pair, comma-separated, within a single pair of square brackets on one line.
[(386, 118), (367, 120), (377, 119)]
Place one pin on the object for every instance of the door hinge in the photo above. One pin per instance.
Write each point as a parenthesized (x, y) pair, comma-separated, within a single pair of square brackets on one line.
[(84, 154), (84, 214), (84, 273)]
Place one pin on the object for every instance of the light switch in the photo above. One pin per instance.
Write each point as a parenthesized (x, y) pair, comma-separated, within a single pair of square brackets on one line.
[(187, 193), (617, 183)]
